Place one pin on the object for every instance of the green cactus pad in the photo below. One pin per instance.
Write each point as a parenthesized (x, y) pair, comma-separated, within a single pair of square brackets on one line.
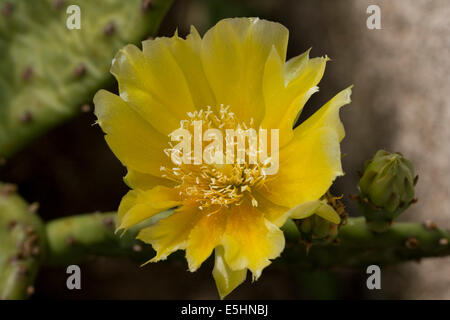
[(47, 72), (22, 245)]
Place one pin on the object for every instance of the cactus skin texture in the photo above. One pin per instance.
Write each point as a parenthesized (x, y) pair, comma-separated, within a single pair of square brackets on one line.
[(22, 245), (72, 240), (357, 246), (386, 189), (48, 72)]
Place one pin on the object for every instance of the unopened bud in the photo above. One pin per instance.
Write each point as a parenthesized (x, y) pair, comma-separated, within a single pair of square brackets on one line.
[(387, 189)]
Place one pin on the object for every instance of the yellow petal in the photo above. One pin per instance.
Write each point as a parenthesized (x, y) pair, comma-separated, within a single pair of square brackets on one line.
[(226, 279), (137, 205), (327, 116), (186, 53), (308, 166), (153, 84), (287, 87), (234, 53), (273, 89), (171, 234), (272, 212), (250, 240), (135, 142), (319, 207), (143, 181), (294, 66), (312, 160), (328, 213), (204, 237), (287, 122), (127, 202), (304, 210)]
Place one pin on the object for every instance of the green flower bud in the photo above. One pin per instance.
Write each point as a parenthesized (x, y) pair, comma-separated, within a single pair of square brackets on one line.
[(316, 229), (318, 221), (387, 189)]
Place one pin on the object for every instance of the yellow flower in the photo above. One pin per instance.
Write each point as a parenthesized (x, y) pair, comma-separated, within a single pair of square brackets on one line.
[(236, 75)]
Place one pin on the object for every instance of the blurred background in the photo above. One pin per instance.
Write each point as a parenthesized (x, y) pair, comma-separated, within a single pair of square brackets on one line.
[(401, 78)]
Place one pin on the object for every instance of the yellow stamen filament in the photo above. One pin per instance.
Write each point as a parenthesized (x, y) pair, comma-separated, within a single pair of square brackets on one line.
[(216, 184)]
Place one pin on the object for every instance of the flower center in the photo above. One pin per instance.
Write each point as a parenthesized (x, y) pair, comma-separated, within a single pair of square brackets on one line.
[(216, 184)]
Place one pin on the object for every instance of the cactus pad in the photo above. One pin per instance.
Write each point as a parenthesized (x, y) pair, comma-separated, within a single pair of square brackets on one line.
[(22, 244), (47, 71)]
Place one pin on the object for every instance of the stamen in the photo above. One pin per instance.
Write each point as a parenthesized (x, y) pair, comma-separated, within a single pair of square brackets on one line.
[(216, 185)]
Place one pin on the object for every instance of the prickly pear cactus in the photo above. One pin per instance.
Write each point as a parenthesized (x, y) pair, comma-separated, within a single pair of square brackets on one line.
[(47, 72), (387, 189), (22, 244)]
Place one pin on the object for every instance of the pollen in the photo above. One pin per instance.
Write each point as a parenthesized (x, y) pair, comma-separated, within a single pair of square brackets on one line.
[(216, 185)]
